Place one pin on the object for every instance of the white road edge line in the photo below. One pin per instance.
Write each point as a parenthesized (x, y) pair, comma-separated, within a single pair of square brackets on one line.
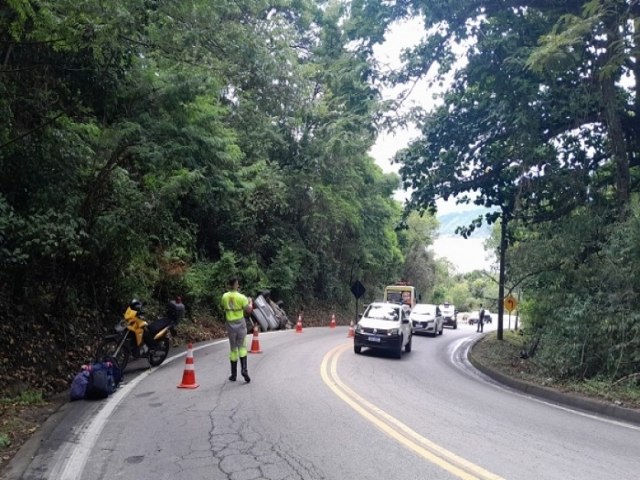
[(71, 467), (458, 355)]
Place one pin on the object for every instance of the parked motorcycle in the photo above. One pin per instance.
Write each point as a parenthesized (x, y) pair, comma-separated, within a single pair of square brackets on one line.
[(135, 337)]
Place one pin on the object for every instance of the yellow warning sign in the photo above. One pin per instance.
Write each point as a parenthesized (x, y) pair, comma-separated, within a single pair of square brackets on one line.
[(510, 303)]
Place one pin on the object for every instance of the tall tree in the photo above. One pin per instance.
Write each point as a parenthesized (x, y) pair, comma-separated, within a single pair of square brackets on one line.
[(513, 138), (419, 263)]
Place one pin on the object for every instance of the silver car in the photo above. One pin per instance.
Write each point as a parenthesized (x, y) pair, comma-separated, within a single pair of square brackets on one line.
[(426, 318)]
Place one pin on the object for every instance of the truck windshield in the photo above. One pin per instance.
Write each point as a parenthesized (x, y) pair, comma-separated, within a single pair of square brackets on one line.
[(394, 297), (382, 312)]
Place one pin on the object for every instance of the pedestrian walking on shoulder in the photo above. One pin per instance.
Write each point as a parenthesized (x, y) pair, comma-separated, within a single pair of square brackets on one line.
[(480, 320), (235, 305)]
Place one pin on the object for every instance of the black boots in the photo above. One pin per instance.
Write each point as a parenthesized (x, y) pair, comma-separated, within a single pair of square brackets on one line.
[(245, 373), (234, 371)]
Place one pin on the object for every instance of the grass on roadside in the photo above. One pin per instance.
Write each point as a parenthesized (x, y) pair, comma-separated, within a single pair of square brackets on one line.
[(505, 357), (29, 397), (12, 419)]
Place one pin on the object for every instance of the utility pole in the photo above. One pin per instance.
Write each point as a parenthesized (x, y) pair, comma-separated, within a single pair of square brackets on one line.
[(501, 280)]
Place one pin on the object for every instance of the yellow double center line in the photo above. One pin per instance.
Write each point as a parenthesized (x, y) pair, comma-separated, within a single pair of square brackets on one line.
[(393, 427)]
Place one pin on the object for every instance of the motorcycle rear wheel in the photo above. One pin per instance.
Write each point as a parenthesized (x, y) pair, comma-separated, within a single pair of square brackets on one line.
[(159, 352), (107, 348)]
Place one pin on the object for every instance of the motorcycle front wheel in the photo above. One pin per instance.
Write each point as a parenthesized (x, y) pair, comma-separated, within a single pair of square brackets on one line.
[(108, 347), (159, 352)]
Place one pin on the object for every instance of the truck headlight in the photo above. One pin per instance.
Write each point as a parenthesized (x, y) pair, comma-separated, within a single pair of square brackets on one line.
[(393, 331), (358, 328)]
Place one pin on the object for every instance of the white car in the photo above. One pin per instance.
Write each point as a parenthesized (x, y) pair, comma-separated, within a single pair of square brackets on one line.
[(384, 326), (449, 315), (426, 318), (473, 317)]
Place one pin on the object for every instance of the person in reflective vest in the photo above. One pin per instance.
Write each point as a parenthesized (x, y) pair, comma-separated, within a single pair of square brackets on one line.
[(235, 305)]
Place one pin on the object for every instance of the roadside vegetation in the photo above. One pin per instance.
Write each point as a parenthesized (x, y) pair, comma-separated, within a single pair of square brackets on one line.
[(20, 417), (152, 149), (539, 125), (157, 148), (506, 357)]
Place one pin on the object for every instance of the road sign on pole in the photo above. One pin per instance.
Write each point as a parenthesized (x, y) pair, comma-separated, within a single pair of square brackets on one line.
[(510, 303), (358, 291)]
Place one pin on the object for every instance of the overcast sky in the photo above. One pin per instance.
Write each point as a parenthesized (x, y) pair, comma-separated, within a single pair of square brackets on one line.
[(465, 254), (400, 36)]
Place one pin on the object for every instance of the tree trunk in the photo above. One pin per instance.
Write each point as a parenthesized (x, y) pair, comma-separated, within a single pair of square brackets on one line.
[(615, 132), (617, 141)]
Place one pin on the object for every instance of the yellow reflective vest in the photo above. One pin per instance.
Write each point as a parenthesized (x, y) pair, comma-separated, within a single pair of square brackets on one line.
[(233, 304)]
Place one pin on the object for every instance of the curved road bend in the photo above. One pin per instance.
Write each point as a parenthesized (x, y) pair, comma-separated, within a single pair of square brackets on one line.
[(316, 410)]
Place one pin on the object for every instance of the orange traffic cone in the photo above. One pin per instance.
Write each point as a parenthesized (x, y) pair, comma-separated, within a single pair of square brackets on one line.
[(352, 331), (189, 375), (299, 324), (332, 324), (255, 343)]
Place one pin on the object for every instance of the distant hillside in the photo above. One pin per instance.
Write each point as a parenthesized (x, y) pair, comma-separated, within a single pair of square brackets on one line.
[(450, 221)]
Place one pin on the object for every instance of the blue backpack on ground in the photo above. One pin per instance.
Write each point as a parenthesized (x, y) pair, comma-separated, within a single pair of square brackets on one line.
[(100, 383), (114, 370), (97, 380), (79, 384), (104, 378)]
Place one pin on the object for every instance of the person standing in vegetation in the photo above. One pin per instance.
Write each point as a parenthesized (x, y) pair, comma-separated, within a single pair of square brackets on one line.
[(235, 305), (480, 327)]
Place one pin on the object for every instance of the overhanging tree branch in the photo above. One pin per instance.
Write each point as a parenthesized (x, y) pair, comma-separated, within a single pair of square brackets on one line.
[(26, 134)]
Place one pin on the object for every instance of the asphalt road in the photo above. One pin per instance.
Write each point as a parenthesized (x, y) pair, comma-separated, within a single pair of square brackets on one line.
[(316, 410)]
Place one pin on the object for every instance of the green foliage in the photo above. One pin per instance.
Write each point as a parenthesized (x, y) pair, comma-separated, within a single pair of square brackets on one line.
[(284, 273), (205, 282), (466, 291), (579, 302), (10, 224), (27, 397), (153, 149), (523, 132), (459, 296), (419, 264)]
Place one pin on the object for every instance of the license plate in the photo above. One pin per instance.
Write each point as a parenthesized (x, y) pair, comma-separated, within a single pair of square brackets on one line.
[(374, 339)]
